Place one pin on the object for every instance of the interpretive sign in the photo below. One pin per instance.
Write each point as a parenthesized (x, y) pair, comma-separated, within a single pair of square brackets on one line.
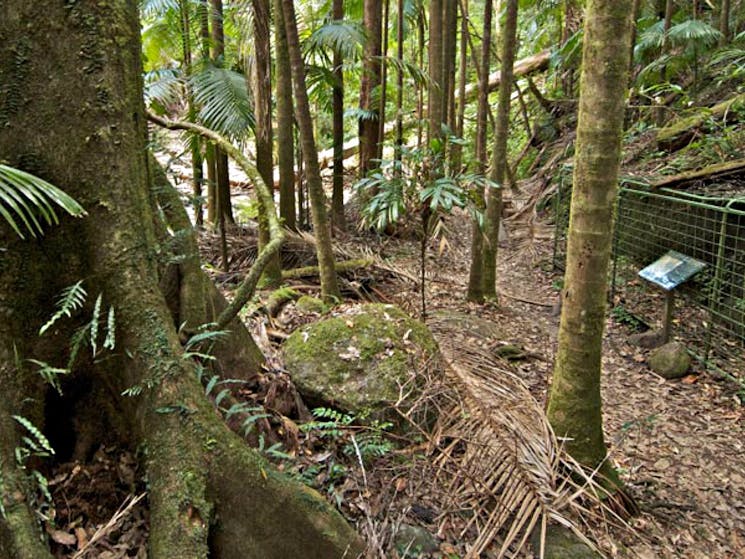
[(671, 270)]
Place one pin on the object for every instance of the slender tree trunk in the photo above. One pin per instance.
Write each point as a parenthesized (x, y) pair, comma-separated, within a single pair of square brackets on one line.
[(369, 127), (667, 23), (449, 42), (420, 88), (574, 407), (209, 152), (724, 23), (499, 158), (262, 92), (399, 142), (222, 170), (635, 7), (208, 493), (457, 150), (197, 168), (383, 78), (436, 94), (285, 123), (475, 290), (329, 286), (337, 199)]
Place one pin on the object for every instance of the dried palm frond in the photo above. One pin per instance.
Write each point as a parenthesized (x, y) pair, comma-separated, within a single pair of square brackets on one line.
[(498, 459)]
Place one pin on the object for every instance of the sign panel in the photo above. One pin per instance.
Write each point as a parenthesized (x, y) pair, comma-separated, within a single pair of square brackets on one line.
[(671, 270)]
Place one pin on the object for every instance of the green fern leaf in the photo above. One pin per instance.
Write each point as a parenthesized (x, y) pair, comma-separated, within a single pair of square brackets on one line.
[(37, 435), (71, 299)]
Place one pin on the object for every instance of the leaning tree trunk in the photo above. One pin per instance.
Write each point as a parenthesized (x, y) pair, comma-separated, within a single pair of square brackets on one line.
[(209, 494), (329, 284), (574, 407), (499, 157), (262, 91)]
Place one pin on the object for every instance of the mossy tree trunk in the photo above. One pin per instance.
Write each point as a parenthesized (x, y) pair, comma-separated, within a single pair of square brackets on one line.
[(329, 285), (209, 494), (499, 156), (285, 123), (261, 83), (574, 407)]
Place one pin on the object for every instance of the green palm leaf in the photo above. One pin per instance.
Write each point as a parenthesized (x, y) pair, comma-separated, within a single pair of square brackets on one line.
[(694, 31), (226, 106), (26, 201), (343, 36)]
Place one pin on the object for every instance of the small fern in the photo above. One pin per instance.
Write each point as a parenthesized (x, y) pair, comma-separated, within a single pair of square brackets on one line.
[(71, 299), (50, 374), (35, 445)]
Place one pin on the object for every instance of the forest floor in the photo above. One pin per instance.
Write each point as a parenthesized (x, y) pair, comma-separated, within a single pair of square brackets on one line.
[(679, 445)]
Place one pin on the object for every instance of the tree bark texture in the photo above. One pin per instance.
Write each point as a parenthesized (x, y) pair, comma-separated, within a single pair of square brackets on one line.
[(574, 407), (224, 209), (285, 123), (475, 291), (262, 91), (209, 494), (499, 156), (337, 198), (321, 230), (370, 79)]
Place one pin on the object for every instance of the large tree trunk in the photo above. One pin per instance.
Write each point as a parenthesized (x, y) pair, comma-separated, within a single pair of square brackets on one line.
[(285, 123), (329, 285), (371, 75), (209, 494), (574, 407), (262, 90), (499, 157)]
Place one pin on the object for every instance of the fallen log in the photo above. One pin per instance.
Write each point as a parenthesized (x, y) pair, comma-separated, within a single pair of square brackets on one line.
[(716, 171), (344, 266), (676, 135)]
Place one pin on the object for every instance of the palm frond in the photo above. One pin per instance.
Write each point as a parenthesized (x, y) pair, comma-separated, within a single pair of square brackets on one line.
[(694, 31), (225, 102), (163, 87), (26, 201), (497, 457), (342, 36)]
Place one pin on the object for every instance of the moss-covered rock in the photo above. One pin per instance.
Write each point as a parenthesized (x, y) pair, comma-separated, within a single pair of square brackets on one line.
[(308, 304), (358, 359), (670, 360)]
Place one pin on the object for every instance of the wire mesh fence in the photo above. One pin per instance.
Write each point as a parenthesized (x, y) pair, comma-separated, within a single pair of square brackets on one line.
[(708, 225)]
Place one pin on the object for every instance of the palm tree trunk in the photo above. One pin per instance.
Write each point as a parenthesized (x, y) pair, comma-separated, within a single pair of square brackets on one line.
[(222, 170), (460, 117), (285, 123), (724, 23), (574, 407), (449, 36), (499, 157), (475, 290), (337, 198), (329, 286), (383, 78), (369, 126), (436, 93), (262, 92)]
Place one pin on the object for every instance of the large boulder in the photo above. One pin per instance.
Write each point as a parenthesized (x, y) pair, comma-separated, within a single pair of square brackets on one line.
[(670, 361), (358, 359)]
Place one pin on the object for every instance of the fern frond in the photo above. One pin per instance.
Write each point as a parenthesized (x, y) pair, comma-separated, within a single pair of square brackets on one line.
[(38, 439), (71, 299), (50, 374), (94, 323)]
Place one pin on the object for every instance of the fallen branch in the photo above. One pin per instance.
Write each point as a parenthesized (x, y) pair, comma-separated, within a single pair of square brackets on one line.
[(718, 171), (343, 266)]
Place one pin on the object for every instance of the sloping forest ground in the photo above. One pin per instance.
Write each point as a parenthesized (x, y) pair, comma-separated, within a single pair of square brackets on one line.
[(679, 445)]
